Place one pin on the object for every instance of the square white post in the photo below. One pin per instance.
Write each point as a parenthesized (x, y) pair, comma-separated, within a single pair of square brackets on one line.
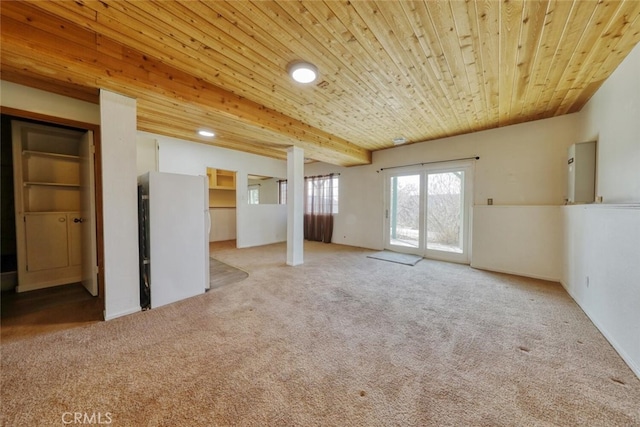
[(119, 204), (295, 206)]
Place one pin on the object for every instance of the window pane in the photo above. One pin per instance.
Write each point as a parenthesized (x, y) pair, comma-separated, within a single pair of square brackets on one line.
[(318, 194), (254, 196), (445, 211), (404, 211), (282, 192)]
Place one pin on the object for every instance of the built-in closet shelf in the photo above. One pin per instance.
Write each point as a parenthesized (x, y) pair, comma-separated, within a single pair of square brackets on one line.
[(48, 203), (49, 154), (49, 184)]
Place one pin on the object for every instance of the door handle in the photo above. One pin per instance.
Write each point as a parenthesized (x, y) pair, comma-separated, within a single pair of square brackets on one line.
[(76, 220)]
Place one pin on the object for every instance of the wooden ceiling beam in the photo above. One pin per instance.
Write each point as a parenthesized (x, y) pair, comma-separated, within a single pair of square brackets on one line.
[(113, 66)]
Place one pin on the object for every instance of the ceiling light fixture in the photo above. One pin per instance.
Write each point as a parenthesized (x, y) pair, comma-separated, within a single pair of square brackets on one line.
[(303, 72), (206, 133), (399, 140)]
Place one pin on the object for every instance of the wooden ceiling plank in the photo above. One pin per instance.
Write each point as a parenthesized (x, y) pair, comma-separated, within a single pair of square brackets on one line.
[(66, 41), (411, 49), (558, 11), (576, 40), (448, 37), (465, 22), (322, 24), (290, 32), (430, 39), (23, 76), (121, 14), (125, 23), (407, 19), (488, 30), (533, 25), (242, 66), (451, 62), (40, 20), (169, 130), (510, 28), (73, 11), (612, 35), (313, 99), (310, 112), (583, 59), (358, 35), (167, 124), (227, 137), (625, 38), (381, 35), (43, 63)]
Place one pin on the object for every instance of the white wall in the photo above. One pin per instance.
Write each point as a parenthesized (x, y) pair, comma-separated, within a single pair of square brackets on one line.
[(256, 224), (120, 204), (602, 271), (522, 164), (612, 117), (523, 240), (602, 241), (146, 154), (38, 101)]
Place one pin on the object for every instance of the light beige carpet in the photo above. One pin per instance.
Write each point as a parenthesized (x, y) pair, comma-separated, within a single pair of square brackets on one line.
[(343, 340)]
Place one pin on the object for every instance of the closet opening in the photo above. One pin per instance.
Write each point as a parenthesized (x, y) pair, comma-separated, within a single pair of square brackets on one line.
[(51, 222)]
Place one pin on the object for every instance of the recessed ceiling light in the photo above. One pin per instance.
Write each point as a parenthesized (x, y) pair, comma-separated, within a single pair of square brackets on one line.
[(206, 133), (399, 140), (303, 72)]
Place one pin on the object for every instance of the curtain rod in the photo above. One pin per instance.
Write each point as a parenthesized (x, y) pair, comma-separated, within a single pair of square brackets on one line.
[(322, 176), (428, 163), (317, 176)]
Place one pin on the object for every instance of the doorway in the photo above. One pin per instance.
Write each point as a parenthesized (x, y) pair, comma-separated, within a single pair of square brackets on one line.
[(427, 211), (56, 231)]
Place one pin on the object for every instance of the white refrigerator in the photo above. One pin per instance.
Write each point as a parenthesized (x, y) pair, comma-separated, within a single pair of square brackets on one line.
[(176, 226)]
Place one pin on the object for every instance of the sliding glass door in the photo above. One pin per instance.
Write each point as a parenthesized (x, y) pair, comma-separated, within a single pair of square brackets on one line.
[(427, 212), (405, 213)]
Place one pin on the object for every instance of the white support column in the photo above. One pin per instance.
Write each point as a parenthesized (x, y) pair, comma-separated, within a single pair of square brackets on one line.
[(295, 206), (119, 204)]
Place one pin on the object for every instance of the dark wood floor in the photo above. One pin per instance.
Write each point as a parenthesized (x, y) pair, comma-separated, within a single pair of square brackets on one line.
[(46, 310), (222, 274), (62, 307)]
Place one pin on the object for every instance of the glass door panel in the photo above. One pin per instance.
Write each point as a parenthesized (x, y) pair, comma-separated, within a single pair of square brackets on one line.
[(404, 212), (445, 204)]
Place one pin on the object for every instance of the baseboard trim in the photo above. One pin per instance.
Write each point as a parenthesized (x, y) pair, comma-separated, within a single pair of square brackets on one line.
[(9, 280), (623, 354), (121, 313), (516, 273)]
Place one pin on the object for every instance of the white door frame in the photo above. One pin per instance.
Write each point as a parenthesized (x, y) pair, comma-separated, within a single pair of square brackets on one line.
[(468, 167)]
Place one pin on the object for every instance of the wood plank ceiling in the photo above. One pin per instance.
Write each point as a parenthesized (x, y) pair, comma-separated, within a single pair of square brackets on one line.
[(417, 69)]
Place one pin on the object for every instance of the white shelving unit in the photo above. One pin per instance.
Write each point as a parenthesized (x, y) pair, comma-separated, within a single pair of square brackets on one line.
[(47, 195)]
